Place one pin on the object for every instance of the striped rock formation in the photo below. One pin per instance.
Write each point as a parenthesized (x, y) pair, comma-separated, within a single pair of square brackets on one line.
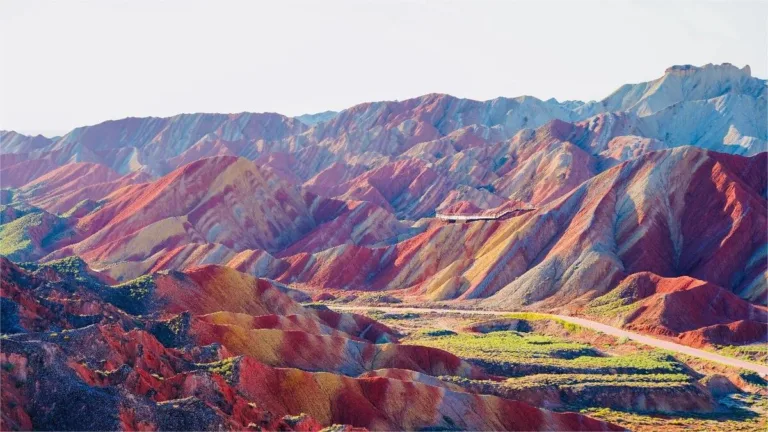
[(69, 347)]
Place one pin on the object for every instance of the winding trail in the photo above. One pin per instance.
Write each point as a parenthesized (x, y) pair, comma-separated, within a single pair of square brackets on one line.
[(594, 325)]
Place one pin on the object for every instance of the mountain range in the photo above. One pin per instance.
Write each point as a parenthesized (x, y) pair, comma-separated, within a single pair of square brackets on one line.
[(646, 210), (345, 201)]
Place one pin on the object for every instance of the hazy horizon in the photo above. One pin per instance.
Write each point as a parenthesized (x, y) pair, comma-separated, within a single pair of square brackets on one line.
[(83, 63)]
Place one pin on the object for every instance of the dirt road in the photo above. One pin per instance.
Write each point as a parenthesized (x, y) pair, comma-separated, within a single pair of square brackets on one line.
[(613, 331)]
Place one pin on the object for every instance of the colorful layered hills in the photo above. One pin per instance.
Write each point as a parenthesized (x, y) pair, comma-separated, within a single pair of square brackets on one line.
[(645, 210), (176, 351)]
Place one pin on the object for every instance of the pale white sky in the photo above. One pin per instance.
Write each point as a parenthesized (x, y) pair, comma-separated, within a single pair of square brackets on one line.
[(68, 64)]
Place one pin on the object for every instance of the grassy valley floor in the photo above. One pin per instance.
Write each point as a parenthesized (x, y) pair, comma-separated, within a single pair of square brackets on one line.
[(565, 367)]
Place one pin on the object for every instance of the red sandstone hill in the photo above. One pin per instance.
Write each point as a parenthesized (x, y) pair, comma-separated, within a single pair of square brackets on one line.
[(71, 345), (694, 311), (408, 188), (224, 202), (64, 188)]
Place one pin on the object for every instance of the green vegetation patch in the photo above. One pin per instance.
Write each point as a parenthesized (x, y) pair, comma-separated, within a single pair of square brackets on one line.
[(87, 204), (71, 269), (225, 368), (375, 313), (533, 316), (9, 213), (651, 362), (434, 333), (172, 332), (131, 296), (400, 316), (582, 380), (74, 268), (743, 415), (138, 288), (15, 242), (378, 298), (756, 353), (32, 230), (620, 302), (513, 353), (504, 346), (753, 378)]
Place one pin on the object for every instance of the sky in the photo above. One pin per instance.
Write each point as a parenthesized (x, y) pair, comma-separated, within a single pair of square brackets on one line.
[(69, 64)]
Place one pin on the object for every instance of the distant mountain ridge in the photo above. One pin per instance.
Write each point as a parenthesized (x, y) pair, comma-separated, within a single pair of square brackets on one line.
[(719, 107), (313, 119)]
